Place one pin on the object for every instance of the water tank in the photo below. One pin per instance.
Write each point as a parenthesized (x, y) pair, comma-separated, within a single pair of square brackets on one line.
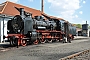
[(85, 27)]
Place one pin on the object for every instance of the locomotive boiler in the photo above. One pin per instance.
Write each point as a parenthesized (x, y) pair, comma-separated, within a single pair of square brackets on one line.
[(41, 23), (24, 29)]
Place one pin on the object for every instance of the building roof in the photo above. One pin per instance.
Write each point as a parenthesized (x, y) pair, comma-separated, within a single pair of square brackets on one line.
[(2, 6), (8, 8), (52, 17)]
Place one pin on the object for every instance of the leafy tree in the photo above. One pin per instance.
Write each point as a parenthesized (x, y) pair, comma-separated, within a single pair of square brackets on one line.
[(89, 27), (78, 25)]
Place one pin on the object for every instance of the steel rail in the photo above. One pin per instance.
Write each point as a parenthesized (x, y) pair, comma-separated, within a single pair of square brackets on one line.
[(75, 55)]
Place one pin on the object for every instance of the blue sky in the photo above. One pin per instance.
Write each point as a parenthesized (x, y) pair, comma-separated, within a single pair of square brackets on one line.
[(74, 11)]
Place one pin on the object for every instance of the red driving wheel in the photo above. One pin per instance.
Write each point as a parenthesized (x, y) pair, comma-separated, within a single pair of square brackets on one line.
[(36, 42), (42, 40), (23, 42)]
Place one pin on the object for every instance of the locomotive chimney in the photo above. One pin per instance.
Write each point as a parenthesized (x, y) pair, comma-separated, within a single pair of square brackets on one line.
[(22, 12), (86, 22), (42, 6)]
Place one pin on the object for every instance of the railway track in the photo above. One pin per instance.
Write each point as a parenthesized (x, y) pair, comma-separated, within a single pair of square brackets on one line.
[(83, 55)]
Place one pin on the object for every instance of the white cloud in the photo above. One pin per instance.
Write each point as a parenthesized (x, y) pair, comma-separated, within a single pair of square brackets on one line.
[(84, 22), (80, 12), (31, 0), (12, 0), (84, 2), (65, 8), (76, 16)]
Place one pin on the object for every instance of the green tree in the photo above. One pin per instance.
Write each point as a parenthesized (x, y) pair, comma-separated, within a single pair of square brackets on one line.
[(89, 27), (78, 25)]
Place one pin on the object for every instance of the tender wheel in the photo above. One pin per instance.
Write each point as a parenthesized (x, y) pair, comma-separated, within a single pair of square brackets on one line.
[(36, 42)]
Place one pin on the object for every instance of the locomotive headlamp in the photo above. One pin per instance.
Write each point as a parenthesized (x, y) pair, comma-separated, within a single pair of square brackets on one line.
[(30, 34), (18, 30)]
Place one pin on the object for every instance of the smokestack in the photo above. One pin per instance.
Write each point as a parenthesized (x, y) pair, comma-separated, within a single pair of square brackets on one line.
[(86, 22), (42, 6), (21, 10)]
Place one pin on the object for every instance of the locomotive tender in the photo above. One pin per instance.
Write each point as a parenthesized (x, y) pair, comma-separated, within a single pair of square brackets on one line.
[(23, 29)]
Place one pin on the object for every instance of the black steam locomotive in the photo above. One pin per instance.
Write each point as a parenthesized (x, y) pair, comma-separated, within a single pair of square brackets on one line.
[(23, 29)]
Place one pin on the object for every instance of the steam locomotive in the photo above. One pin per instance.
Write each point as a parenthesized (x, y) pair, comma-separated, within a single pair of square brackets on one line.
[(24, 29)]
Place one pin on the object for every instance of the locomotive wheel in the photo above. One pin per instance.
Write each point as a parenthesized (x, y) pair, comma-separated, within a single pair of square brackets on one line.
[(42, 41), (50, 41), (60, 40), (36, 42), (23, 42), (57, 40)]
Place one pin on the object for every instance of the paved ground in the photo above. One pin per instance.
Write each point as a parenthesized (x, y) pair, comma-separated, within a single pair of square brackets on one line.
[(47, 51), (80, 37)]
